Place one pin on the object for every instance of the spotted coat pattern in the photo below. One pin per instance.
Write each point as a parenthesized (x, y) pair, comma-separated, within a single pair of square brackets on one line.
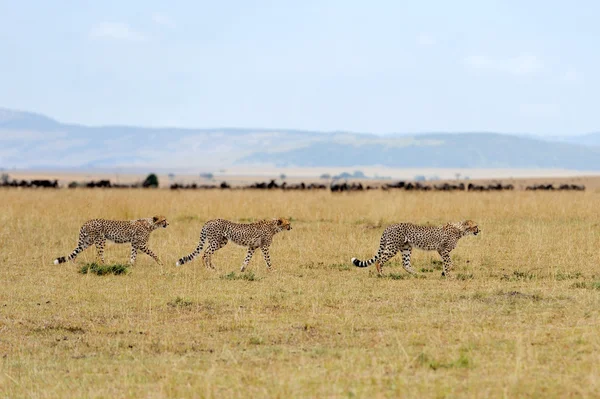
[(97, 231), (252, 235), (406, 236)]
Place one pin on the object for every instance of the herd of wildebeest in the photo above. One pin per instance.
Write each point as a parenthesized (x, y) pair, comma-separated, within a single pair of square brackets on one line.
[(273, 185)]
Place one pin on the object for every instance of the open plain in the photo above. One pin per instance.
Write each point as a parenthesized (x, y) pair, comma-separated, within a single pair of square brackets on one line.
[(520, 318)]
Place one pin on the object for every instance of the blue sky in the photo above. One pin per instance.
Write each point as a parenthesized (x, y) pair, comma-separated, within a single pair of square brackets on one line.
[(380, 66)]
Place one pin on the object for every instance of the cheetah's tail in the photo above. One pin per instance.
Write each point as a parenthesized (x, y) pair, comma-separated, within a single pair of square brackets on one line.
[(60, 260), (82, 244), (369, 262), (196, 252), (365, 263), (70, 257)]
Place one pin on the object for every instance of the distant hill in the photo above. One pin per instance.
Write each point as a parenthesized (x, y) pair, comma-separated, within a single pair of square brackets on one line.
[(590, 139), (10, 119), (29, 140), (461, 150)]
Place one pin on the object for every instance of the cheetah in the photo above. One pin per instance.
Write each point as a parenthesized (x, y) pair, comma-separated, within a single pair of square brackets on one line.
[(97, 231), (252, 235), (404, 236)]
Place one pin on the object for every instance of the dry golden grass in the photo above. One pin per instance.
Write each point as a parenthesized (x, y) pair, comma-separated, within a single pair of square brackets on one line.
[(521, 319)]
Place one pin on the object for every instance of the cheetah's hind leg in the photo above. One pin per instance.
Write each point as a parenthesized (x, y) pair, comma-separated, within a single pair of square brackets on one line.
[(379, 268)]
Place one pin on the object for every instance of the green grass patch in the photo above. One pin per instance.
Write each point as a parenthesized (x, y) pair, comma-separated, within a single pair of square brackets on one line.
[(394, 276), (399, 276), (519, 276), (477, 296), (560, 276), (249, 276), (102, 270), (312, 265), (519, 295), (180, 302), (60, 328), (463, 362), (594, 285), (437, 264), (255, 341), (341, 266), (579, 284)]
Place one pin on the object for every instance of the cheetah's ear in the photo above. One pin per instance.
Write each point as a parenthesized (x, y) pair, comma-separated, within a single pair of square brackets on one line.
[(279, 222), (155, 219)]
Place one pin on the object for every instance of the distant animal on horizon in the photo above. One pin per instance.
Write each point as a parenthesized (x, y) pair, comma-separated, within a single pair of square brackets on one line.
[(97, 231), (406, 236), (252, 235)]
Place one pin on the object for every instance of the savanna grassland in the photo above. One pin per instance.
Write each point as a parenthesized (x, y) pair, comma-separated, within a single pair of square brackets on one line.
[(521, 318)]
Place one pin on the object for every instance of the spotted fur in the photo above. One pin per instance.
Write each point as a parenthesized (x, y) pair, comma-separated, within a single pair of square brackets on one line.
[(252, 235), (97, 231), (406, 236)]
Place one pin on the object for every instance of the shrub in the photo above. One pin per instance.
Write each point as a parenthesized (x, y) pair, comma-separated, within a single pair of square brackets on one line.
[(102, 270), (151, 181)]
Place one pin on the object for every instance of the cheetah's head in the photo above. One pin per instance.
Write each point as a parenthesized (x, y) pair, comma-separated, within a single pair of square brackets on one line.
[(282, 224), (470, 227), (160, 221)]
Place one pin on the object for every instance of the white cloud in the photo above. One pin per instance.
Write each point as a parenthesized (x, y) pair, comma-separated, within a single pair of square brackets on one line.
[(116, 31), (520, 65), (425, 40), (162, 19)]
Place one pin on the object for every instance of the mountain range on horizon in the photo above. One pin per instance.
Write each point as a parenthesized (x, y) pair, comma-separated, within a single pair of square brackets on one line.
[(34, 141)]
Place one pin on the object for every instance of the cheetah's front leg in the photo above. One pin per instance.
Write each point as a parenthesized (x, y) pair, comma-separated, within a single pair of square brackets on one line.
[(406, 260), (133, 255), (447, 261), (100, 249), (247, 259), (147, 251), (265, 252)]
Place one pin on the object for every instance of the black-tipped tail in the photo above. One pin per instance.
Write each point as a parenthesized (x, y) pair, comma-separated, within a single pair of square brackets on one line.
[(60, 260), (185, 259), (190, 257), (364, 263), (196, 252)]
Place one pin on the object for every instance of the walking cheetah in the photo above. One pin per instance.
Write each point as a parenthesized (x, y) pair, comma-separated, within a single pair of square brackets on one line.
[(252, 235), (404, 236), (97, 231)]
